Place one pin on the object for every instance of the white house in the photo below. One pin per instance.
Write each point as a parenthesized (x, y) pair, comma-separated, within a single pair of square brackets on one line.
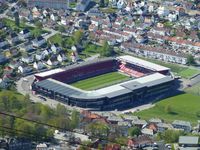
[(38, 65), (61, 58), (54, 17), (24, 69), (28, 59)]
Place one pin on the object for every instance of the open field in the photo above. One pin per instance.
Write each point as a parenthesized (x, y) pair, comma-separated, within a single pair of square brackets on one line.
[(181, 107), (100, 81)]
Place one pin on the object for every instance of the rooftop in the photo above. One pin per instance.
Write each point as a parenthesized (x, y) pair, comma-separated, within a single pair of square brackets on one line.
[(143, 63), (188, 140)]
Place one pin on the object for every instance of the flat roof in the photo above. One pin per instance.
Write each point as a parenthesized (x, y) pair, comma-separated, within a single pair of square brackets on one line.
[(50, 72), (188, 140), (143, 63)]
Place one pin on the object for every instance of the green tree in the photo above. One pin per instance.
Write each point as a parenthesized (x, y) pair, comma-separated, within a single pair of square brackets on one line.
[(78, 35), (61, 110), (168, 109), (106, 49), (190, 60), (61, 29), (170, 136), (38, 24), (17, 21), (101, 3), (134, 131), (74, 119)]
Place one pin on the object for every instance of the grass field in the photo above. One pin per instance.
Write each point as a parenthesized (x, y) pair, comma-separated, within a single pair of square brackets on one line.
[(100, 81), (195, 89), (182, 107)]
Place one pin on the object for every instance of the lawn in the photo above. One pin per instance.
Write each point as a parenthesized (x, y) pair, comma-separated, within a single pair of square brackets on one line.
[(100, 81), (182, 107), (195, 89), (11, 24), (186, 73)]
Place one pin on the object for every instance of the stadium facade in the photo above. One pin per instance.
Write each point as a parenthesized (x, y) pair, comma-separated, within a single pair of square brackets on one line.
[(55, 4), (148, 82)]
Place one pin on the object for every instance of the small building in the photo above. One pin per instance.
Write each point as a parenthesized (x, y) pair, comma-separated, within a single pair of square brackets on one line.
[(24, 34), (183, 125), (39, 41), (188, 141), (83, 5)]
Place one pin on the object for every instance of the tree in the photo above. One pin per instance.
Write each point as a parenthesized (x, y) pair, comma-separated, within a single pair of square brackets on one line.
[(38, 24), (61, 29), (17, 21), (168, 109), (101, 3), (170, 136), (106, 49), (61, 110), (74, 119), (134, 131), (78, 35), (190, 60)]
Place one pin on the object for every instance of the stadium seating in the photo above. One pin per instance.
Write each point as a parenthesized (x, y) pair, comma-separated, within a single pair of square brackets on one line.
[(85, 71)]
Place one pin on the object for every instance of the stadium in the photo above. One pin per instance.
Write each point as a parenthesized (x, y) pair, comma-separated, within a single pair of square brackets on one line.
[(105, 84)]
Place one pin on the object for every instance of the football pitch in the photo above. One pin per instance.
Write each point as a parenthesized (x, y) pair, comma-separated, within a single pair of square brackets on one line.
[(100, 81)]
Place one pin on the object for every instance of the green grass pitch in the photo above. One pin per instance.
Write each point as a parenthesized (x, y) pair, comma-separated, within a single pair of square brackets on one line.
[(182, 107), (100, 81)]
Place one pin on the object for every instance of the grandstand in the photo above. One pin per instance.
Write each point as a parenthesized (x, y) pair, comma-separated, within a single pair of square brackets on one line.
[(148, 81)]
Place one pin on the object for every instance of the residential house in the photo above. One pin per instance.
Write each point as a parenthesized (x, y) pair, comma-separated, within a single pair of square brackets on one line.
[(24, 34), (140, 141), (25, 69), (3, 43), (38, 65), (83, 5), (27, 59), (114, 119), (27, 47), (148, 132), (155, 120), (61, 58), (40, 56), (188, 142), (39, 41), (16, 144), (54, 16), (139, 123), (14, 64), (3, 60), (52, 61), (162, 11), (13, 38), (182, 125), (55, 48), (130, 118), (25, 14), (42, 146), (163, 127)]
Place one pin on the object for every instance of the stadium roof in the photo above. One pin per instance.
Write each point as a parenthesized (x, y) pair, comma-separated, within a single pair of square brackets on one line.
[(50, 72), (143, 63), (110, 92)]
